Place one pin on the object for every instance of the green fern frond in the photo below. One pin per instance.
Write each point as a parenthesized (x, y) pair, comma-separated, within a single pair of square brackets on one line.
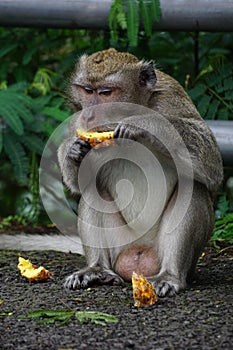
[(156, 10), (21, 86), (11, 117), (55, 113), (213, 94), (132, 11), (7, 48), (150, 13), (203, 104), (40, 102), (213, 109), (197, 91), (145, 12), (33, 143), (15, 107), (117, 18), (17, 156), (127, 14), (1, 139), (121, 19), (21, 103)]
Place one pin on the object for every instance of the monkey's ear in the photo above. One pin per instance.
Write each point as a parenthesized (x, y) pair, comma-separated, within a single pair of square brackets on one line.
[(147, 76)]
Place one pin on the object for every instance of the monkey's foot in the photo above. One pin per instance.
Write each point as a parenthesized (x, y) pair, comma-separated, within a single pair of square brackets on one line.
[(166, 286), (89, 276)]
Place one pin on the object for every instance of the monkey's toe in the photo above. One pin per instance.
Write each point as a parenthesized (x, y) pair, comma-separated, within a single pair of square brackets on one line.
[(164, 288), (72, 282)]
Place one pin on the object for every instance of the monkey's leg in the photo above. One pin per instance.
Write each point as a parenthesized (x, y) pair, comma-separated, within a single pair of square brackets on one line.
[(179, 248), (101, 247)]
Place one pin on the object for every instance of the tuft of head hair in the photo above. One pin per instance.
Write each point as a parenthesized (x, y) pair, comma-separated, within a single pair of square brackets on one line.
[(102, 63)]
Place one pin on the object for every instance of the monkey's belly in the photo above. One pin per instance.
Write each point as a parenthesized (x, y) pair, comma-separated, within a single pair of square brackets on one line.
[(139, 259)]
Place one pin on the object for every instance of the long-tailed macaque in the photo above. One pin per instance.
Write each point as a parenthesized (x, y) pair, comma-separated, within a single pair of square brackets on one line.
[(167, 253)]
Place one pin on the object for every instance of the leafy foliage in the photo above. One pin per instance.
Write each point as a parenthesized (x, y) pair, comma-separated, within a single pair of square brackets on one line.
[(36, 64), (214, 91), (64, 316), (126, 15), (20, 133), (223, 229)]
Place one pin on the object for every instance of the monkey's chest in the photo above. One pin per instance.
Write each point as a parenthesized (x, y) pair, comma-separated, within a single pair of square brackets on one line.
[(139, 192)]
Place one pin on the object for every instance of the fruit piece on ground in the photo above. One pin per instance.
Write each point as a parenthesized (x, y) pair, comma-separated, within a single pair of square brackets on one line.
[(32, 273), (143, 291)]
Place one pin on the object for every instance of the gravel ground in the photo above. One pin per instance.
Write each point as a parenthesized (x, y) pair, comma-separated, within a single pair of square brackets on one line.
[(199, 318)]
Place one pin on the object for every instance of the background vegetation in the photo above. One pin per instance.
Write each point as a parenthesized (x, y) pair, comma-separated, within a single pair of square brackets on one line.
[(34, 71)]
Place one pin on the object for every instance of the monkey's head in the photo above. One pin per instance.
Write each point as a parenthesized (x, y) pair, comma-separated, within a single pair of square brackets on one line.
[(111, 76)]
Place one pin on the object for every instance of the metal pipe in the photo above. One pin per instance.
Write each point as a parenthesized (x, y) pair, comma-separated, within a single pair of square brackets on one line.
[(191, 15), (223, 132)]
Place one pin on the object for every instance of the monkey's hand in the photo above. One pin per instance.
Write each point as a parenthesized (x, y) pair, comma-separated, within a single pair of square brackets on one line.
[(128, 131), (78, 150), (92, 275)]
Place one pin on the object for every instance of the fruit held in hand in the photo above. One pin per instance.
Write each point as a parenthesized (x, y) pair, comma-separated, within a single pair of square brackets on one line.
[(95, 138)]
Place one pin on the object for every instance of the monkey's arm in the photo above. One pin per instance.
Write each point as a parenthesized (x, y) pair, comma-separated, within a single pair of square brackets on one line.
[(70, 154), (166, 134)]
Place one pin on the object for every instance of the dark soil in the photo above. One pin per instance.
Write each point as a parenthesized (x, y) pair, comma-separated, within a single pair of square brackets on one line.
[(199, 318)]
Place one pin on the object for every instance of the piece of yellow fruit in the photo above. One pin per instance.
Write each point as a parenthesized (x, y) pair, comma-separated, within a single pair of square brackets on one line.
[(94, 138), (143, 291), (28, 270)]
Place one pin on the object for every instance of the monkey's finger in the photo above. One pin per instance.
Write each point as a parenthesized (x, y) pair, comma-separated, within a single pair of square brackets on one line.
[(124, 132), (82, 143)]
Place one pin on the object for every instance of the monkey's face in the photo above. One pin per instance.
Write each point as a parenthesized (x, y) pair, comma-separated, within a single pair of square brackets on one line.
[(108, 77)]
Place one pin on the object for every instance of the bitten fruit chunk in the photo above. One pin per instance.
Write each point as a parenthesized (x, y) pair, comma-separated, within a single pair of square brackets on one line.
[(95, 138), (32, 273), (143, 291)]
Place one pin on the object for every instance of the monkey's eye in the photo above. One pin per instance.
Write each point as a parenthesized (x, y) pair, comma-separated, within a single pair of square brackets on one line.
[(88, 90), (105, 91)]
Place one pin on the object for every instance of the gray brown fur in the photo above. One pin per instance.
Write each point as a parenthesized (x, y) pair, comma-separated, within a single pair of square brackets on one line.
[(134, 81)]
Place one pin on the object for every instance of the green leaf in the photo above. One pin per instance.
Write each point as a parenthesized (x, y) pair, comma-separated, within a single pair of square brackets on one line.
[(156, 9), (55, 113), (203, 104), (117, 17), (63, 316), (1, 139), (213, 108), (50, 316), (7, 48), (132, 22), (33, 143), (95, 317), (40, 102), (11, 118), (28, 55), (197, 91), (17, 156), (21, 104), (145, 12), (223, 205)]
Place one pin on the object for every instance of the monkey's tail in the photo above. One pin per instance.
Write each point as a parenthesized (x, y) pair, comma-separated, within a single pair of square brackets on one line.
[(26, 242)]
